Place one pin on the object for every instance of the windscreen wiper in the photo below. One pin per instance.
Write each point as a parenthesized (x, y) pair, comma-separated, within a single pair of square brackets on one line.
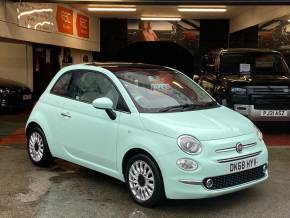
[(185, 107), (176, 107)]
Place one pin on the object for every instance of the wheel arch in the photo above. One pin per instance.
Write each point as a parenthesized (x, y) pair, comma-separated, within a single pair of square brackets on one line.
[(32, 123), (30, 126), (134, 151)]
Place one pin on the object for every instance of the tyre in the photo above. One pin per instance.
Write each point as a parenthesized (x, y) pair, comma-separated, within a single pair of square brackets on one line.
[(38, 150), (144, 181)]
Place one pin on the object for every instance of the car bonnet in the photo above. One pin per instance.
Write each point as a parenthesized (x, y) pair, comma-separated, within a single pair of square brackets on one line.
[(206, 124)]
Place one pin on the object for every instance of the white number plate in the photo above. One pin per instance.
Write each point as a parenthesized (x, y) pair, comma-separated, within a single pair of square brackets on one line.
[(27, 97), (274, 113), (242, 165)]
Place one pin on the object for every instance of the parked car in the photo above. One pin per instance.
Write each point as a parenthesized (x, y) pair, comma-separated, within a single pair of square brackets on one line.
[(253, 82), (14, 95), (149, 126)]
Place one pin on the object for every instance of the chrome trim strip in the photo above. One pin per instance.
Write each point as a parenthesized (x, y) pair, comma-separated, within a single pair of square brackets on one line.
[(239, 158), (190, 182), (225, 149), (234, 148), (250, 145)]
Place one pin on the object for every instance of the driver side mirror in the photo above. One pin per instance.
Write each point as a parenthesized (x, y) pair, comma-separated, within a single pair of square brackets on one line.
[(105, 104)]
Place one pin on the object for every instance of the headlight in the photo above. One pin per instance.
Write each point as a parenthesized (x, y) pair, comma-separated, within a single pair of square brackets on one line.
[(239, 91), (189, 144), (259, 134), (187, 164)]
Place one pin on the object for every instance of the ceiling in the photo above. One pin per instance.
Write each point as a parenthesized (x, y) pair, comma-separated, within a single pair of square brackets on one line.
[(163, 11)]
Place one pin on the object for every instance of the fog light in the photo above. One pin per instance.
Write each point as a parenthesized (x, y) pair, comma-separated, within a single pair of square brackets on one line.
[(209, 183), (265, 169), (187, 164)]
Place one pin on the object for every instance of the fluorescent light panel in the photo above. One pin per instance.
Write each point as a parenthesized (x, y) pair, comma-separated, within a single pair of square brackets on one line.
[(162, 18), (112, 9), (202, 9), (202, 6)]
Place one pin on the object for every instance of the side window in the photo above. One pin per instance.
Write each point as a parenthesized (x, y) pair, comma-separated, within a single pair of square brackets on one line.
[(89, 85), (61, 87)]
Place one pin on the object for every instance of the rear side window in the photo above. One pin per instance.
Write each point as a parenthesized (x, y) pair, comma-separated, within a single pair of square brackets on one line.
[(86, 86), (61, 87)]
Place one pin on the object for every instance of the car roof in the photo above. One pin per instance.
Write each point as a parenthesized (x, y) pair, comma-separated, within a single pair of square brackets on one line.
[(123, 66)]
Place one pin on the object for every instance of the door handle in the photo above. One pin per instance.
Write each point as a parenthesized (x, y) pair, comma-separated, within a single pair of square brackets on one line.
[(66, 115)]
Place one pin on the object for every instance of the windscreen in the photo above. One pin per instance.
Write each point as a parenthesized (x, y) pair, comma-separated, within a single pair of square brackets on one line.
[(254, 64), (155, 90)]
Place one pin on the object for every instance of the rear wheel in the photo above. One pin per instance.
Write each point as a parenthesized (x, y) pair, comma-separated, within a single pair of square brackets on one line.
[(38, 150), (144, 181)]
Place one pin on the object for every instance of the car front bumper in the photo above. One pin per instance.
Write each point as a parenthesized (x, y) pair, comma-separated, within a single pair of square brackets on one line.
[(255, 115), (180, 184), (198, 191)]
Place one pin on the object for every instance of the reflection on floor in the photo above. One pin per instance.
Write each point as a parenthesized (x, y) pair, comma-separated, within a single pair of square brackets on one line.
[(15, 138), (276, 135)]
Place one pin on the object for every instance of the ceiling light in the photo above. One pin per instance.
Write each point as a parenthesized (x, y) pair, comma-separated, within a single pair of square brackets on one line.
[(112, 9), (162, 18), (202, 6), (202, 9)]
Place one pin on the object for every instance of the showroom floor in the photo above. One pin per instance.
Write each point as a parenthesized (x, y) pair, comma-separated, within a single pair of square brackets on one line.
[(67, 190)]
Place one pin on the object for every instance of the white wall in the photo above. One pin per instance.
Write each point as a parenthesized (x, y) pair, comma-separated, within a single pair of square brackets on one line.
[(16, 60), (9, 28), (78, 55), (256, 15), (16, 63)]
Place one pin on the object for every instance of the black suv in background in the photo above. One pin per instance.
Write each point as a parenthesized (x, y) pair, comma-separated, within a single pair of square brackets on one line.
[(253, 82)]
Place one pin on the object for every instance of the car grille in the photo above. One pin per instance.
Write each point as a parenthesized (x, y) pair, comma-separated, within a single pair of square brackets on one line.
[(274, 103), (270, 90), (234, 179)]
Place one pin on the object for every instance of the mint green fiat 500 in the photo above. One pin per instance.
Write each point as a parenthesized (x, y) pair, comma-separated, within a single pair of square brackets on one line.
[(151, 127)]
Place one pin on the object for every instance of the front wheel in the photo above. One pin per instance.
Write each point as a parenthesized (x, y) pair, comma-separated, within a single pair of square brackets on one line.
[(38, 150), (144, 181)]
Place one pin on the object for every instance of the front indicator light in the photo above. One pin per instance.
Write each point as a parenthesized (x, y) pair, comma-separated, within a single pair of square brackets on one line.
[(239, 91), (187, 164)]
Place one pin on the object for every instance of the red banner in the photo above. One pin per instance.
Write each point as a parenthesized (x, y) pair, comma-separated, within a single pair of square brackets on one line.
[(83, 26), (64, 19)]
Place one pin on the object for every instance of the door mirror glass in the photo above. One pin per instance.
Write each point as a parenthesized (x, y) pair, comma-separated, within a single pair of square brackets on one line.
[(103, 103)]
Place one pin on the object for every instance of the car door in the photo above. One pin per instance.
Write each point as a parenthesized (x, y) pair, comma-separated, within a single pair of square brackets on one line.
[(89, 135)]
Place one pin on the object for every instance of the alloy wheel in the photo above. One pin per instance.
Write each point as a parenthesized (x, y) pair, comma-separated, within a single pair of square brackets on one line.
[(36, 146), (141, 180)]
